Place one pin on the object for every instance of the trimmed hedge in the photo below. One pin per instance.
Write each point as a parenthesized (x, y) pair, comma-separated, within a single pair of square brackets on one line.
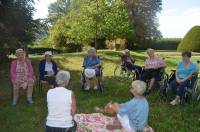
[(162, 44), (41, 51), (191, 41)]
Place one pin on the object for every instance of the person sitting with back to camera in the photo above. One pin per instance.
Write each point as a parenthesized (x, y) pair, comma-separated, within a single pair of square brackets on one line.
[(48, 69), (91, 66), (153, 67), (128, 61), (185, 69), (62, 106)]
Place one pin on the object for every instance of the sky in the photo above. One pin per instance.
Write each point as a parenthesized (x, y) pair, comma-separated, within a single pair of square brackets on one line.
[(175, 19)]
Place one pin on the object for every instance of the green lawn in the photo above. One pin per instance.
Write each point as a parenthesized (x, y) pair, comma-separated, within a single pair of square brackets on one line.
[(163, 117)]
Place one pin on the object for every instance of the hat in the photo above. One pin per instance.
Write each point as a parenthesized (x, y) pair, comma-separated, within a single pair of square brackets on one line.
[(19, 51), (126, 51), (48, 53), (89, 73)]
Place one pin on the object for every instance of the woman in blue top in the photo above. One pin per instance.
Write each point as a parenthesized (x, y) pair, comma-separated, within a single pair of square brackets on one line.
[(131, 115), (184, 72), (91, 66)]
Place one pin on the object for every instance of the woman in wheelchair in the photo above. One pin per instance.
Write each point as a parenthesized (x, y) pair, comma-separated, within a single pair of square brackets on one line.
[(128, 61), (92, 68), (154, 65), (184, 72)]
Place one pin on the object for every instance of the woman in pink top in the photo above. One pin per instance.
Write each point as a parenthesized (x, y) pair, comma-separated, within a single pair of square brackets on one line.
[(21, 73), (153, 67)]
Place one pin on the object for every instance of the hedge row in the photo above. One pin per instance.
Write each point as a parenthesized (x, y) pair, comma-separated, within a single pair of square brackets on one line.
[(163, 44)]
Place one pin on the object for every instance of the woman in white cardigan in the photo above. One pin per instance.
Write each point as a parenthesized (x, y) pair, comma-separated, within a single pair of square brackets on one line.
[(61, 106)]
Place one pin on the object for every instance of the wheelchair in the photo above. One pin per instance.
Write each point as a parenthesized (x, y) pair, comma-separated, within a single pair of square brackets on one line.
[(163, 76), (191, 91), (100, 80)]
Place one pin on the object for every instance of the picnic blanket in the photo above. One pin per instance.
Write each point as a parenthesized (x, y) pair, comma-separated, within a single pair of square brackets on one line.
[(95, 122)]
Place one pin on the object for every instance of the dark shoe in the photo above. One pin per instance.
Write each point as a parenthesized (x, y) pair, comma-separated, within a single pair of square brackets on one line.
[(30, 101)]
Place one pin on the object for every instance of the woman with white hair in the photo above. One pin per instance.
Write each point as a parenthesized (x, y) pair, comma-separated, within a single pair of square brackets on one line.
[(128, 61), (131, 116), (22, 76), (153, 66), (91, 66), (48, 69), (61, 106)]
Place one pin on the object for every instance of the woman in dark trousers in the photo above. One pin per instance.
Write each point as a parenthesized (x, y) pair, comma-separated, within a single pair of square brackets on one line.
[(48, 69), (184, 71)]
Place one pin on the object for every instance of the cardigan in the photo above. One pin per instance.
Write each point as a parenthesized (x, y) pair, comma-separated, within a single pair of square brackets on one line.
[(13, 70)]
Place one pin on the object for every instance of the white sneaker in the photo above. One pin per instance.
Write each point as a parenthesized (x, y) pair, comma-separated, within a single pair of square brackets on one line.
[(87, 87), (176, 101), (95, 87)]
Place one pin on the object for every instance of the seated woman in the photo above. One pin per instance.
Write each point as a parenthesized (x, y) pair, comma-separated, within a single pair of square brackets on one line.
[(153, 66), (61, 104), (128, 61), (48, 69), (22, 76), (91, 66), (130, 116), (185, 69)]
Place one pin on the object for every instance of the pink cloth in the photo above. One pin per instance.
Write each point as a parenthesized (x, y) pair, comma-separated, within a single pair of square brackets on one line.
[(14, 70), (151, 64), (95, 122)]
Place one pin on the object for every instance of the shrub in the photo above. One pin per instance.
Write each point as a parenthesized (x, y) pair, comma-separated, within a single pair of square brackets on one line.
[(191, 41)]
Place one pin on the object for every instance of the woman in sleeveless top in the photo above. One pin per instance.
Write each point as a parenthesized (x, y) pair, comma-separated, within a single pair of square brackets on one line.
[(61, 106)]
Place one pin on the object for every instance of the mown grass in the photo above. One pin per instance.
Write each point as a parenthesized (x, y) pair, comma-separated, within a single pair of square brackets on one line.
[(163, 117)]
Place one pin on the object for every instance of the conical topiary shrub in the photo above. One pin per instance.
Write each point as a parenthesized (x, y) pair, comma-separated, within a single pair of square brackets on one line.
[(191, 41)]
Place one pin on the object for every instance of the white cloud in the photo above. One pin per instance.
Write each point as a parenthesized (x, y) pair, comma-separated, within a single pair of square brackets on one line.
[(41, 7), (175, 24)]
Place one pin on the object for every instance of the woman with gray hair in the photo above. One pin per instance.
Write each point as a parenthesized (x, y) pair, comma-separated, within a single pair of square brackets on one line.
[(22, 76), (153, 67), (61, 104)]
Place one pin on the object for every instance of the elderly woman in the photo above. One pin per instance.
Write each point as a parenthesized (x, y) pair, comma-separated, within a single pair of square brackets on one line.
[(131, 116), (91, 66), (153, 66), (48, 69), (21, 73), (185, 69), (128, 61), (61, 106)]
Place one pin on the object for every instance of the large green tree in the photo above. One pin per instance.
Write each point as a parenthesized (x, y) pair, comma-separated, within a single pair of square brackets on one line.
[(143, 14), (17, 26), (89, 19)]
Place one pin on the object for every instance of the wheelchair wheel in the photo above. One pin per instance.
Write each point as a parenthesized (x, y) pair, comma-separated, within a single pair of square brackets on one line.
[(122, 73), (196, 90), (101, 86)]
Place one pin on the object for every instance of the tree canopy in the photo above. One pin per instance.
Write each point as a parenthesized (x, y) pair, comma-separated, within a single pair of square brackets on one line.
[(17, 26), (88, 19)]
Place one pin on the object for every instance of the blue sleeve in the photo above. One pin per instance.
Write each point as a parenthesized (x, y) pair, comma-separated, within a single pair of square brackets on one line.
[(85, 61), (98, 60), (42, 69), (125, 108), (55, 67), (194, 68)]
